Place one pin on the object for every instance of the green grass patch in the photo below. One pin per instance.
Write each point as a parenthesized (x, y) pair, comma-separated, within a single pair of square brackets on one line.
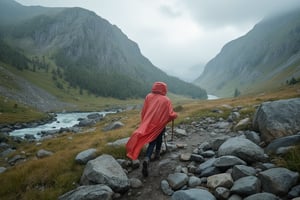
[(291, 159), (118, 152), (13, 112)]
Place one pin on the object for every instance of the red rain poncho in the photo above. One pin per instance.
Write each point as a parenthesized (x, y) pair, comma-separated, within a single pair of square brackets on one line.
[(157, 112)]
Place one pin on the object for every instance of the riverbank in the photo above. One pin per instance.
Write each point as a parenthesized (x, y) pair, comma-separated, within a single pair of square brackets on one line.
[(62, 122)]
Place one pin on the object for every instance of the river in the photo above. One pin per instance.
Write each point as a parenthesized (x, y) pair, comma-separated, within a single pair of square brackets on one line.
[(62, 120), (211, 97)]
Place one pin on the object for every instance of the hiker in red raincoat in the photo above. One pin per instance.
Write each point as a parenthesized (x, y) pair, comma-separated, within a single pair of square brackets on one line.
[(157, 112)]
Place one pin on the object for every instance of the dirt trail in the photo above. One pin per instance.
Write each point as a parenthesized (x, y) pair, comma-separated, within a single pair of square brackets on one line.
[(159, 170)]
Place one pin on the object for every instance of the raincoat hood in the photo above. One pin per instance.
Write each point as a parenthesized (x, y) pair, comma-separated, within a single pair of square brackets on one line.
[(160, 88)]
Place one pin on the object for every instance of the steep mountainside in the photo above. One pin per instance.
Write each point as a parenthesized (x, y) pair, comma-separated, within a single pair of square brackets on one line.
[(266, 57), (87, 50)]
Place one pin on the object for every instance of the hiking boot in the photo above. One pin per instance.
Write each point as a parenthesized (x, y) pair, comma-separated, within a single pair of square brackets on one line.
[(145, 167), (156, 157)]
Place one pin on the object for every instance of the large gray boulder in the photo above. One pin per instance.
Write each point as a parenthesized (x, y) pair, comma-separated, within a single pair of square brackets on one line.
[(220, 180), (262, 196), (278, 180), (242, 148), (89, 192), (193, 194), (247, 185), (177, 180), (277, 119), (283, 142), (226, 162), (105, 170), (240, 171)]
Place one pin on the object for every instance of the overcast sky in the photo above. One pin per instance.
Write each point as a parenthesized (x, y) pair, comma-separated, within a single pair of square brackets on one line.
[(175, 35)]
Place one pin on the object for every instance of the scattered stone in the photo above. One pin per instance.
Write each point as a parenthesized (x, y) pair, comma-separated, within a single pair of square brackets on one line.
[(167, 190), (220, 180), (226, 162), (208, 154), (287, 141), (16, 159), (105, 170), (181, 145), (246, 186), (85, 156), (252, 136), (177, 180), (273, 119), (194, 181), (235, 197), (185, 156), (193, 194), (294, 192), (197, 158), (119, 142), (135, 183), (240, 171), (2, 169), (242, 148), (86, 122), (180, 132), (278, 181), (89, 192), (264, 196), (222, 193), (43, 153), (113, 126)]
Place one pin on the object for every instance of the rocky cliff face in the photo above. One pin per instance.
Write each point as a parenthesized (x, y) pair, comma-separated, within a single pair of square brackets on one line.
[(268, 54)]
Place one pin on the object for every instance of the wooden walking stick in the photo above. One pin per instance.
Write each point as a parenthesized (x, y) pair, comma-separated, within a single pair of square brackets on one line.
[(172, 130), (165, 140)]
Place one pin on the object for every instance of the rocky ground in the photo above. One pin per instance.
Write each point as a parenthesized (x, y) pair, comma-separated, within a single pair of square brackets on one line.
[(160, 169), (185, 142)]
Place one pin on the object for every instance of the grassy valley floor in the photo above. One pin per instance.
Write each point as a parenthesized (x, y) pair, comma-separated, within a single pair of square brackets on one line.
[(49, 177)]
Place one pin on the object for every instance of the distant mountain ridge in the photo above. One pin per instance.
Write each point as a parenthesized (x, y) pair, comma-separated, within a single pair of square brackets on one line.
[(266, 57), (91, 53)]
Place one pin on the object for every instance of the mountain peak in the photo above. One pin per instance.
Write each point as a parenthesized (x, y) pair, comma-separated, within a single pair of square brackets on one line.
[(266, 57), (92, 53)]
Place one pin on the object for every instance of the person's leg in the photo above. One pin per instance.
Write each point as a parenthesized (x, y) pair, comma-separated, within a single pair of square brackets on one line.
[(158, 144), (149, 152), (150, 148)]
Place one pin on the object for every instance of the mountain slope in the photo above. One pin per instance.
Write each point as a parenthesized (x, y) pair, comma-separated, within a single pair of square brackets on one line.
[(91, 53), (266, 57)]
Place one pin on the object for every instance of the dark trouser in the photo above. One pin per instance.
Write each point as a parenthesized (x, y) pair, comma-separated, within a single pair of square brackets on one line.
[(155, 143)]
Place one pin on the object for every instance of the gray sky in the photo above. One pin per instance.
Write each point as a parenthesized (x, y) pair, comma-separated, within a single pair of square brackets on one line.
[(175, 35)]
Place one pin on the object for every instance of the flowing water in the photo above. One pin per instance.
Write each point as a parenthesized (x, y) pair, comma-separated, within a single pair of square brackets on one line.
[(62, 120), (212, 97)]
